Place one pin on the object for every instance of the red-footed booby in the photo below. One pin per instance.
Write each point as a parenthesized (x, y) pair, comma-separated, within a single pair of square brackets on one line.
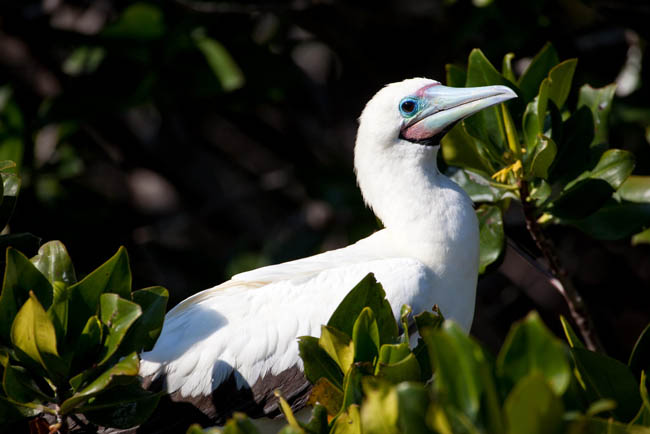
[(228, 348)]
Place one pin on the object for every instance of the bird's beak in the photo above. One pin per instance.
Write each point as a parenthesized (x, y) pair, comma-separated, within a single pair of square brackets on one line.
[(443, 106)]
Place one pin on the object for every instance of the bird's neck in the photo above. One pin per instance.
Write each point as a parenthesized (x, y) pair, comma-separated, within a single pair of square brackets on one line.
[(427, 215)]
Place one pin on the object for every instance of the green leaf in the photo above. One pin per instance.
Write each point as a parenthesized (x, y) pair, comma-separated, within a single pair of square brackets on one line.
[(477, 187), (317, 363), (406, 369), (491, 235), (582, 199), (560, 78), (640, 357), (365, 337), (222, 64), (604, 377), (456, 75), (55, 264), (486, 125), (379, 412), (643, 416), (543, 156), (506, 67), (318, 423), (58, 311), (121, 373), (614, 166), (530, 348), (413, 402), (113, 276), (393, 353), (145, 331), (635, 189), (121, 406), (338, 346), (238, 424), (20, 278), (88, 344), (599, 101), (117, 314), (615, 220), (326, 394), (33, 334), (462, 150), (140, 21), (573, 155), (367, 293), (352, 391), (571, 337), (19, 386), (348, 422), (533, 120), (537, 71), (533, 408), (457, 363), (642, 237)]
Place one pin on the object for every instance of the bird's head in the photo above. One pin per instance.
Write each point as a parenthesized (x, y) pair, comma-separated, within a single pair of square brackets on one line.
[(401, 127)]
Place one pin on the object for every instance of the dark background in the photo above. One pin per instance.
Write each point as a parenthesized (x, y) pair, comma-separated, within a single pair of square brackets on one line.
[(214, 137)]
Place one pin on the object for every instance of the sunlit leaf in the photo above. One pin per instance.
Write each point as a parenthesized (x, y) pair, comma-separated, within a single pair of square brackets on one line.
[(317, 363), (145, 331), (506, 67), (543, 156), (635, 189), (338, 346), (326, 394), (365, 337), (348, 422), (379, 412), (55, 263), (560, 78), (222, 64), (117, 314), (614, 166)]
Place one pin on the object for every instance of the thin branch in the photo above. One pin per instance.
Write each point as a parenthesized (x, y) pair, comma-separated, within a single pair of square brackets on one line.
[(561, 280)]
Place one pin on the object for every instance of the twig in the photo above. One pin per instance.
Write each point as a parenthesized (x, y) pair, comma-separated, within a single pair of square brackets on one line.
[(561, 280)]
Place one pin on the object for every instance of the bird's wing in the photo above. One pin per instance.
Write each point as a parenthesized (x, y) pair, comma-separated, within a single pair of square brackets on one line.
[(229, 350)]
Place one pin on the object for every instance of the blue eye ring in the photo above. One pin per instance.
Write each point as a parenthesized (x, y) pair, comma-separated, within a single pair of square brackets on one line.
[(408, 107)]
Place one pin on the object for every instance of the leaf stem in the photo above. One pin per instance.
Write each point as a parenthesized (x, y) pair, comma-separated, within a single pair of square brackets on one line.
[(562, 282)]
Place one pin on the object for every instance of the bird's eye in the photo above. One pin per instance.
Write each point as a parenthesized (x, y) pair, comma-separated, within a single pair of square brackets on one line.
[(408, 107)]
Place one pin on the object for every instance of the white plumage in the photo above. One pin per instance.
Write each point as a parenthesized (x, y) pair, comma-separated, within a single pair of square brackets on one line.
[(427, 254)]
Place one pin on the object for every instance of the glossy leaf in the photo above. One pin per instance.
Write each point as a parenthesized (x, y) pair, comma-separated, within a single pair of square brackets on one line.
[(537, 71), (491, 235), (126, 369), (642, 237), (604, 377), (352, 391), (113, 276), (33, 334), (406, 369), (365, 337), (145, 331), (530, 348), (19, 386), (573, 156), (543, 156), (533, 408), (614, 166), (533, 120), (477, 187), (21, 277), (560, 78), (635, 189), (338, 346), (117, 314), (599, 101), (88, 344), (506, 67), (462, 150), (55, 263), (486, 125), (368, 292), (317, 363)]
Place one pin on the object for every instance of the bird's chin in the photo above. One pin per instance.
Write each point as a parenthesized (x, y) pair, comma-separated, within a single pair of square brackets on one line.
[(414, 135)]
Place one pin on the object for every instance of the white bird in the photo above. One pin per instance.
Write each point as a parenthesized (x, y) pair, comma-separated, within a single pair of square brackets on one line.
[(229, 347)]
